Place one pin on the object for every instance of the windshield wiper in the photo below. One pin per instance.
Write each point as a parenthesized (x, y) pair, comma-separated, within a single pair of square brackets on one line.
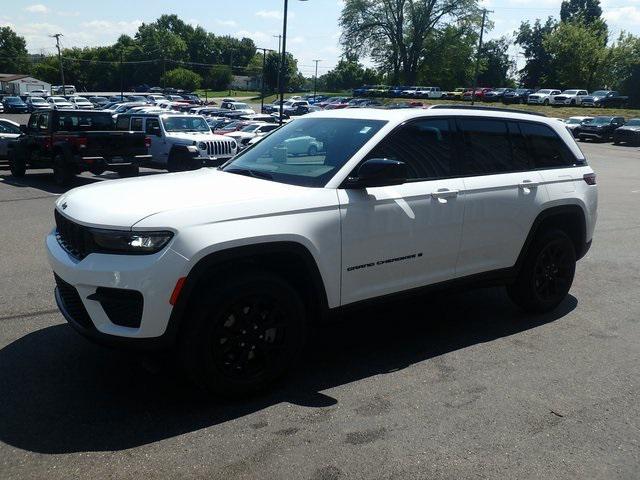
[(250, 173)]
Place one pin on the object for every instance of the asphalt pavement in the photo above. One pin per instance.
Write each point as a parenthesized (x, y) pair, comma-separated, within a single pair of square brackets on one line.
[(451, 386)]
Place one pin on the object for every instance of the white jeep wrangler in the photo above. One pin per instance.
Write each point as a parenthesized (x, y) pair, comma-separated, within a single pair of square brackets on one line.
[(179, 141), (231, 265)]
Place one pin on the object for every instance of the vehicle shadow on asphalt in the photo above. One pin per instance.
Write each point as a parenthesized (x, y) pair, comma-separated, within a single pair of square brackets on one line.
[(44, 181), (61, 394)]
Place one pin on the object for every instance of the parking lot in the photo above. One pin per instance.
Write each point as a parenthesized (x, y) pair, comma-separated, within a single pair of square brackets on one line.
[(442, 387)]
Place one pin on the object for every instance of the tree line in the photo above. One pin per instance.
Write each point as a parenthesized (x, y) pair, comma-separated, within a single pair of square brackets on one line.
[(167, 52)]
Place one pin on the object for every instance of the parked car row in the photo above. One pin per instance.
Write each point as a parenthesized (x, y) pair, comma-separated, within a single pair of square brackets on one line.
[(605, 128), (543, 96)]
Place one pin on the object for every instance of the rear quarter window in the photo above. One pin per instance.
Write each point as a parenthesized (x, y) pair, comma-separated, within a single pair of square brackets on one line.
[(547, 149)]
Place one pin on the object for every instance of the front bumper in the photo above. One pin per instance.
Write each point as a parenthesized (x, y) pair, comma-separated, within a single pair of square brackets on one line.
[(594, 135), (536, 101), (154, 276)]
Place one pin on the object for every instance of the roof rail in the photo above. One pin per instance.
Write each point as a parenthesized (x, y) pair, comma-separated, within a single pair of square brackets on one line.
[(482, 107)]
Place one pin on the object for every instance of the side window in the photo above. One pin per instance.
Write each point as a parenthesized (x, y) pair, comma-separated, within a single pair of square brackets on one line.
[(33, 122), (486, 147), (152, 125), (122, 123), (43, 121), (547, 148), (423, 145), (519, 149), (136, 124)]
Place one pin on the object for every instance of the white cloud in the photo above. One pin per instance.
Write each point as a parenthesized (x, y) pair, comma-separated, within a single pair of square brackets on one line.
[(255, 36), (227, 23), (37, 8), (274, 14), (298, 39), (120, 28), (623, 15)]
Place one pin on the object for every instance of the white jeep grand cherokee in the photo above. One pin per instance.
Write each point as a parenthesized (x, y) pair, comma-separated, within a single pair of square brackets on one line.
[(230, 265)]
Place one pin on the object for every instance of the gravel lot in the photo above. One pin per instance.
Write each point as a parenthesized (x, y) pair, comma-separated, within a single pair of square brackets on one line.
[(449, 387)]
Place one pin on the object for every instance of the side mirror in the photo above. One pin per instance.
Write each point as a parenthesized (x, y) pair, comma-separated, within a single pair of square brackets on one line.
[(378, 172)]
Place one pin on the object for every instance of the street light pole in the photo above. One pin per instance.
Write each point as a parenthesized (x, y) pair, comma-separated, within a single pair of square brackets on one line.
[(121, 74), (264, 61), (315, 82), (283, 59)]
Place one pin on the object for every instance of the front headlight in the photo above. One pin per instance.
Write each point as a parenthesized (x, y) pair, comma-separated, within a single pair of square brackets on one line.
[(202, 146), (117, 241), (234, 144)]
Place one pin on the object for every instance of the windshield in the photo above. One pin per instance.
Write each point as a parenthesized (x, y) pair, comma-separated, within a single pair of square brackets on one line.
[(570, 92), (599, 121), (250, 128), (185, 124), (59, 100), (306, 152), (634, 122), (38, 100), (544, 92), (15, 100), (241, 106), (600, 93), (574, 121)]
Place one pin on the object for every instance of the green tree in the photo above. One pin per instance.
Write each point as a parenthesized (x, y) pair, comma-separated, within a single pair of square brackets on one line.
[(394, 32), (13, 52), (348, 73), (538, 63), (495, 64), (182, 78), (271, 70), (577, 55), (219, 77), (621, 61)]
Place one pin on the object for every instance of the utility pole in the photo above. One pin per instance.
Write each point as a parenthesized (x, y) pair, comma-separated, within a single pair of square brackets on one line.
[(57, 37), (279, 37), (475, 76), (230, 68), (315, 82), (283, 59), (264, 61), (122, 74)]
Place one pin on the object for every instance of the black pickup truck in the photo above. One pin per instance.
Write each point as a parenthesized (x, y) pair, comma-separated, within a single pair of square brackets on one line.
[(604, 98), (75, 141)]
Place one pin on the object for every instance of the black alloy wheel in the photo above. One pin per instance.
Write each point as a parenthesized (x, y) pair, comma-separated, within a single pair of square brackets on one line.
[(553, 272)]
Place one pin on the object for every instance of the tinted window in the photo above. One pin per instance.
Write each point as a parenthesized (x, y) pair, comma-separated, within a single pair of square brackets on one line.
[(152, 123), (33, 122), (520, 151), (547, 149), (136, 124), (486, 147), (424, 146), (43, 121), (122, 123), (84, 122)]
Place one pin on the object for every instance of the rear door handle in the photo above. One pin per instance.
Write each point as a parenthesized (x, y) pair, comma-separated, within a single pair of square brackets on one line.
[(528, 184), (445, 193)]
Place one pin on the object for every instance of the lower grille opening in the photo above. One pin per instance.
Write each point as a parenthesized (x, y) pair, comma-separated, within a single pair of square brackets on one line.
[(122, 306), (72, 303)]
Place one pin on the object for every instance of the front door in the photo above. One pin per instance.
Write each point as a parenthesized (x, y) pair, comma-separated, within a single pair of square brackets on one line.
[(400, 237)]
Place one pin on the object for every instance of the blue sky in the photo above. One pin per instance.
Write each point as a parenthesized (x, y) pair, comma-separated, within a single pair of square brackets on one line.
[(313, 25)]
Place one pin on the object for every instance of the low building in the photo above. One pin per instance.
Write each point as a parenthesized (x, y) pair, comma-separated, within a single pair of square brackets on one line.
[(244, 82), (16, 84)]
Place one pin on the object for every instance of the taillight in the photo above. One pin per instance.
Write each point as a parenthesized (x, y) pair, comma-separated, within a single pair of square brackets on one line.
[(589, 178), (81, 142), (147, 142)]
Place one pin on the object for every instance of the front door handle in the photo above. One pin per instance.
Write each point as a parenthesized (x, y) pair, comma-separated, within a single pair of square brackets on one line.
[(445, 193), (528, 184)]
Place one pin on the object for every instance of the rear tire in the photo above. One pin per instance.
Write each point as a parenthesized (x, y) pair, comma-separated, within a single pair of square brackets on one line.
[(62, 172), (547, 273), (244, 336)]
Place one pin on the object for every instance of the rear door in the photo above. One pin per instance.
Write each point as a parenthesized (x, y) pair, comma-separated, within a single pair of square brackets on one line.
[(503, 195)]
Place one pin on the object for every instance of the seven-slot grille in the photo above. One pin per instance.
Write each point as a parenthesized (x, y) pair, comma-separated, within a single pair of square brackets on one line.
[(74, 238), (219, 148)]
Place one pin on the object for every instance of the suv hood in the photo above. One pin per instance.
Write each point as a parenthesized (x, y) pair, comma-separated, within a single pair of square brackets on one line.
[(123, 203), (194, 136)]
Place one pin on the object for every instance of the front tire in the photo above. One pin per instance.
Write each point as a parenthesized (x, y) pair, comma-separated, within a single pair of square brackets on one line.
[(547, 273), (243, 336), (129, 171), (17, 166)]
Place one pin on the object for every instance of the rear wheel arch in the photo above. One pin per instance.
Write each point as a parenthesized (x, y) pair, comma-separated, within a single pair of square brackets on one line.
[(292, 261), (568, 218)]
